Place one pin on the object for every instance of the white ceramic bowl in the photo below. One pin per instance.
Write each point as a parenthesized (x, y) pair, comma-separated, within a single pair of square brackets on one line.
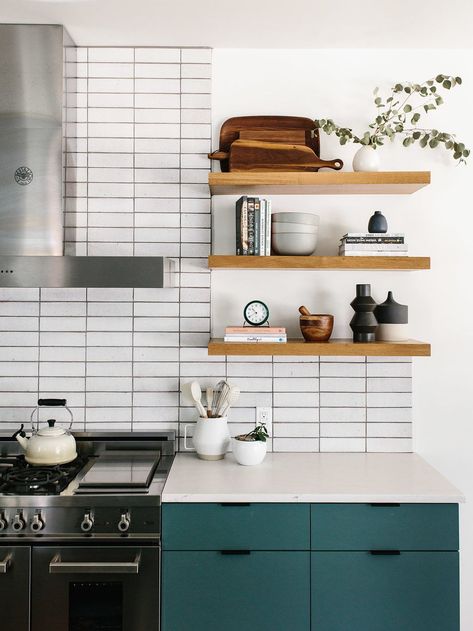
[(294, 243), (294, 227), (307, 218), (249, 452)]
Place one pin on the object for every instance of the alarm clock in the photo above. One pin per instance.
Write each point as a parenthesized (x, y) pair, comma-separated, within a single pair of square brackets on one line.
[(256, 313)]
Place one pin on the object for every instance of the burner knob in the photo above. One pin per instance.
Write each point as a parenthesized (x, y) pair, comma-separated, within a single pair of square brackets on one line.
[(87, 523), (3, 522), (37, 523), (18, 522), (124, 522)]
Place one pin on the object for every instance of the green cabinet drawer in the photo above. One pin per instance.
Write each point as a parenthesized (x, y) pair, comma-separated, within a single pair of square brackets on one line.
[(384, 526), (257, 591), (236, 526), (412, 591)]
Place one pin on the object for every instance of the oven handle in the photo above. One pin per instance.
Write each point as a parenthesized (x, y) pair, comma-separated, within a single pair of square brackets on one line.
[(5, 564), (56, 566)]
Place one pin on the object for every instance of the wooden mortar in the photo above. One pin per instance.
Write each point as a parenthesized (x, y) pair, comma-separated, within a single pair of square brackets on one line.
[(315, 327)]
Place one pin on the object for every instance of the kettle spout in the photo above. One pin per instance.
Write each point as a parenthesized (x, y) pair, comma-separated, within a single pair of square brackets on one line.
[(21, 437)]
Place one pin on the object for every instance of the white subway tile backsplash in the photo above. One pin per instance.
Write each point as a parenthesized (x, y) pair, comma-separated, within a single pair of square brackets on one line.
[(139, 129)]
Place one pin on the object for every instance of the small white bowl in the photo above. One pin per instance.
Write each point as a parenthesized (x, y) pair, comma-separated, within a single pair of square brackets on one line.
[(294, 243), (249, 452), (307, 218), (294, 227)]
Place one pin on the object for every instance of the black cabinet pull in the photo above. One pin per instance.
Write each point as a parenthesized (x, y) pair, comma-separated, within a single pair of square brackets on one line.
[(386, 553), (52, 402), (234, 552), (385, 505), (235, 504)]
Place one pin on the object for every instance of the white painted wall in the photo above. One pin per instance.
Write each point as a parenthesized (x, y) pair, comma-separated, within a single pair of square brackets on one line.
[(438, 221)]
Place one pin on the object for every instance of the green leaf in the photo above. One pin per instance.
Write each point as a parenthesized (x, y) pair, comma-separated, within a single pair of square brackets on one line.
[(407, 108), (466, 153), (457, 155), (398, 87), (406, 142), (407, 89), (433, 143), (415, 119), (416, 135), (447, 84), (424, 140), (438, 100), (377, 100), (458, 80), (375, 91), (433, 132), (439, 78)]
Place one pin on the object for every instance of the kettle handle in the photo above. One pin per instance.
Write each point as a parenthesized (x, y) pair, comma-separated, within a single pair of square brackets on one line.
[(49, 403)]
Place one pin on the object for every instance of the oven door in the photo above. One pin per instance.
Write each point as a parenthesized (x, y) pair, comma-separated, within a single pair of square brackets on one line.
[(103, 588), (15, 588)]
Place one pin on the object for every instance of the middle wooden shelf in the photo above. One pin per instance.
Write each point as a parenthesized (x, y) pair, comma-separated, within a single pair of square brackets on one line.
[(386, 263)]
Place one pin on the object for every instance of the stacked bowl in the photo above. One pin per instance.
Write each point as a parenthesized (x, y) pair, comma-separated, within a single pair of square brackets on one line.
[(294, 234)]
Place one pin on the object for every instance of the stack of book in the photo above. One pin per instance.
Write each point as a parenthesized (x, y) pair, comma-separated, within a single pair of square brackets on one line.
[(373, 244), (256, 334), (253, 226)]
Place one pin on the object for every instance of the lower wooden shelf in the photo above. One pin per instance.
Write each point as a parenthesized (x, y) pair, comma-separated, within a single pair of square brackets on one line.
[(342, 347), (224, 261)]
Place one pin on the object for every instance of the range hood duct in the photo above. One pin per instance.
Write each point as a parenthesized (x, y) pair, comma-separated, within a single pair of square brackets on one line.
[(32, 105)]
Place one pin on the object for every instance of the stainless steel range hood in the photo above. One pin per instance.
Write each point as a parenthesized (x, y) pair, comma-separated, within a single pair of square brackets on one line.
[(32, 105)]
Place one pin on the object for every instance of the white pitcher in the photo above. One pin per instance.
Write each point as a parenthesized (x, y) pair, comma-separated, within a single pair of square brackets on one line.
[(211, 438)]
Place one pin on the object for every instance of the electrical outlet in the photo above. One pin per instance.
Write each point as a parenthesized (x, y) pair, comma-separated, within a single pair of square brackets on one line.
[(265, 415)]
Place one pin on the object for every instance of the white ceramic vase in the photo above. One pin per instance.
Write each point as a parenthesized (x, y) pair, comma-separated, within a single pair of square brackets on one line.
[(366, 159), (210, 439), (249, 452)]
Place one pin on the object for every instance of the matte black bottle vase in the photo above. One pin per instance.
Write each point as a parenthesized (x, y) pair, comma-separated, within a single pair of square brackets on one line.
[(363, 323), (378, 223)]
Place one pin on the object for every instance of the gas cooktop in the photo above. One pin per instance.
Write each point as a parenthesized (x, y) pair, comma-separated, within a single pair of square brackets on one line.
[(113, 488)]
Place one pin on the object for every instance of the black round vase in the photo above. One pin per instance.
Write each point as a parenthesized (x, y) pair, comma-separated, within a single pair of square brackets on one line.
[(378, 223), (363, 323)]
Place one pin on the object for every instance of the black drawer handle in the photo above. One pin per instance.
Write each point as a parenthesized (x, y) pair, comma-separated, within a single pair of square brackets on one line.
[(385, 505), (52, 402), (235, 552), (235, 504), (387, 553)]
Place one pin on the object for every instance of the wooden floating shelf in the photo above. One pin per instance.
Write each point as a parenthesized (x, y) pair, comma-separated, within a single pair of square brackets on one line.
[(341, 347), (318, 183), (223, 261)]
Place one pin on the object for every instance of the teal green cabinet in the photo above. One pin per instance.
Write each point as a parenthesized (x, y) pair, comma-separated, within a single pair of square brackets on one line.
[(236, 525), (360, 591), (255, 591), (380, 526)]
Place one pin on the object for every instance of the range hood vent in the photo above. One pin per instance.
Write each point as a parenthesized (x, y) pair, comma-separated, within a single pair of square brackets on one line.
[(33, 72)]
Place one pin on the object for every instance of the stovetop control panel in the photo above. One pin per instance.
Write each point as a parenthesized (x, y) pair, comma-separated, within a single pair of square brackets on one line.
[(80, 521)]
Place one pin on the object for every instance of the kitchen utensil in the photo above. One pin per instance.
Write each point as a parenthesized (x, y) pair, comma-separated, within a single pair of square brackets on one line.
[(48, 445), (223, 389), (258, 156), (315, 327), (295, 217), (193, 393), (287, 130), (210, 438), (294, 243), (231, 398), (209, 395)]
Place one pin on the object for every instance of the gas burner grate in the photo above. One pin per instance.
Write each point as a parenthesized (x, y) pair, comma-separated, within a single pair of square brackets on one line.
[(25, 479)]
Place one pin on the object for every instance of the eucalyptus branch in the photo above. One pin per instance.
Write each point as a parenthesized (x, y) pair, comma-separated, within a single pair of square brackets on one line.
[(393, 114)]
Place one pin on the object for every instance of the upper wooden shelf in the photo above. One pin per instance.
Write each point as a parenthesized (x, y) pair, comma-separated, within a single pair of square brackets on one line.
[(223, 261), (341, 347), (319, 183)]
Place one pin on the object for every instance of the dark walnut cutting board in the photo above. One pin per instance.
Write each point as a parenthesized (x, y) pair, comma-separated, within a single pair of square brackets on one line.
[(270, 143)]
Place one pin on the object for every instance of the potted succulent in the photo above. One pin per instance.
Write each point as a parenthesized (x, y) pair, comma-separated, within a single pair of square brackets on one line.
[(398, 114), (250, 449)]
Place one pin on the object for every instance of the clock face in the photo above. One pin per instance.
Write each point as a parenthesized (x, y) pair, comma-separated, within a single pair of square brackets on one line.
[(256, 313)]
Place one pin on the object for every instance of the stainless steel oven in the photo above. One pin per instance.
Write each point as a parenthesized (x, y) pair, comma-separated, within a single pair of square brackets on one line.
[(79, 588)]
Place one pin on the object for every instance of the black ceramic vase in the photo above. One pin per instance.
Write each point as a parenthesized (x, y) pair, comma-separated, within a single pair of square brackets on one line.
[(378, 223), (363, 323), (392, 320)]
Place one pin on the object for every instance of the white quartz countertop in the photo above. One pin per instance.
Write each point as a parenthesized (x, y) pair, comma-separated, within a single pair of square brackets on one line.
[(309, 477)]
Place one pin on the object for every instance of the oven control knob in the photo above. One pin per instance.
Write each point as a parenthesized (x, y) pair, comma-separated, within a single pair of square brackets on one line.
[(37, 523), (124, 522), (3, 522), (18, 522), (87, 523)]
